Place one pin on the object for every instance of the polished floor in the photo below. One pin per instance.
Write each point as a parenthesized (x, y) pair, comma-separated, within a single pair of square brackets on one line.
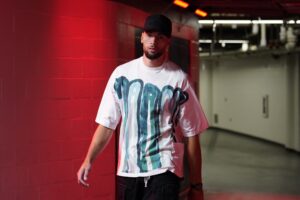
[(238, 167)]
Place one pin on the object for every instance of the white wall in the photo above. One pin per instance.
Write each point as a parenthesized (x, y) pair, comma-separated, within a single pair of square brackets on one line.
[(233, 88)]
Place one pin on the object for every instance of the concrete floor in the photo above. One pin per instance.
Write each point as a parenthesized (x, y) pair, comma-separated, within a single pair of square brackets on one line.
[(238, 167)]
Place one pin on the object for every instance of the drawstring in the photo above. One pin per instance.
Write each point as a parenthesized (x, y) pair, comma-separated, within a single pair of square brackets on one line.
[(146, 179)]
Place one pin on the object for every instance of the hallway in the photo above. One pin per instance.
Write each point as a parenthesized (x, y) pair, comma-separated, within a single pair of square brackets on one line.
[(238, 167)]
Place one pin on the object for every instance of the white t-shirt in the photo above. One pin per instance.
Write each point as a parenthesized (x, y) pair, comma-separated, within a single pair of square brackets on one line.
[(153, 103)]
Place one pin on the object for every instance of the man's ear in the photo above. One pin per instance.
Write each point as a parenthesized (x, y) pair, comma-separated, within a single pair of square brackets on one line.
[(142, 37)]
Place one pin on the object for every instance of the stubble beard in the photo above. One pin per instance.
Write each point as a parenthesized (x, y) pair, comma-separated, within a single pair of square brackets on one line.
[(153, 56)]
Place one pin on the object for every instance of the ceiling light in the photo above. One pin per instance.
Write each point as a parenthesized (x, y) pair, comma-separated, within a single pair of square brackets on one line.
[(267, 21), (225, 41), (233, 21), (200, 13), (181, 4), (206, 21), (205, 41), (246, 21), (291, 22)]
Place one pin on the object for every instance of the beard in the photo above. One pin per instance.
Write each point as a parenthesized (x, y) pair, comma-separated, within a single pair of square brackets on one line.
[(153, 56)]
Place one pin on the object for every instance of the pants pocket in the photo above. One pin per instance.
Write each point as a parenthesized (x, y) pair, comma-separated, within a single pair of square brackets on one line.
[(124, 187), (166, 187)]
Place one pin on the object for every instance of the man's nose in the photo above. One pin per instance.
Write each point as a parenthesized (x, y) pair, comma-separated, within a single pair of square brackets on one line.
[(153, 39)]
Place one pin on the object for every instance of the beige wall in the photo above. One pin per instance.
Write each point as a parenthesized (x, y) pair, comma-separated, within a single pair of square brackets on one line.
[(233, 88)]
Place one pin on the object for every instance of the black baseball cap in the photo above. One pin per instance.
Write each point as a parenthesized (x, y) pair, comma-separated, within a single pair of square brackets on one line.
[(158, 23)]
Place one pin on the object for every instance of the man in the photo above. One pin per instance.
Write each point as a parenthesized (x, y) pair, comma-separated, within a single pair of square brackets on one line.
[(154, 99)]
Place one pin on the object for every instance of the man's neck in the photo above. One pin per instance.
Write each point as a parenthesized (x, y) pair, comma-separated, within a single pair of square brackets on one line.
[(154, 63)]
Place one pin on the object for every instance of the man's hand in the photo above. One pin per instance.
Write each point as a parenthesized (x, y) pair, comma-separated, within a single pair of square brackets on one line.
[(196, 195), (100, 139), (82, 174)]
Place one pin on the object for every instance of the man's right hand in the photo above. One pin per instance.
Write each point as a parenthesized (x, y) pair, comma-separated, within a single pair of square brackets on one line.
[(82, 174)]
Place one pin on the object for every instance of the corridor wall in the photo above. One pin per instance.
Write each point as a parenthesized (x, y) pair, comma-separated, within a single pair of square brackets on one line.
[(256, 94)]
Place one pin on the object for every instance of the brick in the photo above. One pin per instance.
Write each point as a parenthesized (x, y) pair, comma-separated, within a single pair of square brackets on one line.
[(28, 194), (6, 51), (72, 190), (51, 173), (52, 130), (6, 69), (7, 155), (1, 91), (98, 68), (70, 110), (6, 10), (8, 178), (126, 51), (69, 47), (8, 133), (81, 48), (50, 192), (60, 68), (56, 89), (32, 25), (59, 171), (59, 109), (81, 129), (74, 149), (64, 191), (36, 175), (89, 108), (27, 154), (50, 152), (49, 110), (98, 87), (103, 186), (73, 27), (81, 88), (34, 5), (106, 49), (25, 132), (8, 194)]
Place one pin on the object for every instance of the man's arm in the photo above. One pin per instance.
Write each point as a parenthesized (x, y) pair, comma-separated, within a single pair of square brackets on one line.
[(100, 139), (195, 167)]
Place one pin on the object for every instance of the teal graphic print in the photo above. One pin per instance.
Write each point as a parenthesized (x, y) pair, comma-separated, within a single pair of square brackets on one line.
[(148, 101)]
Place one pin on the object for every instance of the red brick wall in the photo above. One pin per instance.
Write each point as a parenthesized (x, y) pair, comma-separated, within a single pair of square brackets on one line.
[(55, 59)]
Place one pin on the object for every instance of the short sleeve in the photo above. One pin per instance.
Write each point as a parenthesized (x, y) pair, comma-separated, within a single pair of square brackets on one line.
[(109, 113), (192, 120)]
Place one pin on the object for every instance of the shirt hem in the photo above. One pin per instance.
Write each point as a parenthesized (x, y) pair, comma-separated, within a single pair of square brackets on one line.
[(144, 174)]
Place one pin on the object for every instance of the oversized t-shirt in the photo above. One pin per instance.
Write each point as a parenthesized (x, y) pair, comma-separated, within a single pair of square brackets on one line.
[(158, 108)]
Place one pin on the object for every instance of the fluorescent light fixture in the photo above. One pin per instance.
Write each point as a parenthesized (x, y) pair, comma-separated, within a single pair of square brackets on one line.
[(181, 4), (267, 21), (205, 41), (233, 21), (206, 21), (291, 22), (233, 41), (246, 21), (225, 41), (200, 13)]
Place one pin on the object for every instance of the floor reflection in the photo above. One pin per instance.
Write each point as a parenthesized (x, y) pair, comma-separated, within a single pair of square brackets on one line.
[(238, 167)]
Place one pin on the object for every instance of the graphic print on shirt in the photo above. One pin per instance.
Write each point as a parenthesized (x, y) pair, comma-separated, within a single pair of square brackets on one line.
[(147, 102)]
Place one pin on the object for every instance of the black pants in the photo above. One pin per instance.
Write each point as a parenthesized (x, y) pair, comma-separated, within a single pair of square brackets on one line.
[(158, 187)]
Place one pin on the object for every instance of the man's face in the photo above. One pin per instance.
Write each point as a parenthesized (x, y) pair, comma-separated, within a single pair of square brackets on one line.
[(155, 44)]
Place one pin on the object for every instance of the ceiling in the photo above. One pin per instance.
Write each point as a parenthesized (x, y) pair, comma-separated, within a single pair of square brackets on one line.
[(279, 9), (228, 9)]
